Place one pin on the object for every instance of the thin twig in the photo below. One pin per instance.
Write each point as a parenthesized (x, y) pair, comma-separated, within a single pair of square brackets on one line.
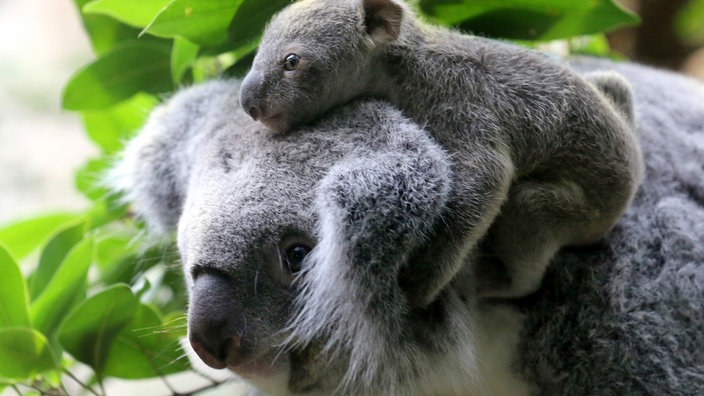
[(50, 392), (13, 386), (206, 376), (201, 389), (102, 387), (167, 384), (82, 384), (63, 388)]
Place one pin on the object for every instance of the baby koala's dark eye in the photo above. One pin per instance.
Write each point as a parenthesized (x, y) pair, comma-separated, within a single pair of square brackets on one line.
[(291, 62), (294, 256)]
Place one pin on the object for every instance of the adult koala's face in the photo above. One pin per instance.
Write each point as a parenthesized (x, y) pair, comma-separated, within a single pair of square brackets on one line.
[(247, 226), (292, 244)]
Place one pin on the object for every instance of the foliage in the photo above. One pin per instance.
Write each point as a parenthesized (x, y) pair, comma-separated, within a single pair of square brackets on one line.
[(690, 22), (87, 287)]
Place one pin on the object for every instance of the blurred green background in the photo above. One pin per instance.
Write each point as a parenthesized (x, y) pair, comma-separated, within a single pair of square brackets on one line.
[(84, 290)]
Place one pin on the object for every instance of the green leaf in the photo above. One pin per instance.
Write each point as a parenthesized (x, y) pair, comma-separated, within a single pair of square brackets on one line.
[(137, 13), (251, 18), (530, 19), (13, 293), (22, 237), (594, 45), (178, 297), (126, 267), (25, 353), (111, 247), (89, 330), (150, 345), (89, 178), (177, 323), (119, 74), (690, 22), (183, 55), (243, 64), (203, 22), (65, 289), (52, 378), (110, 128), (209, 67), (53, 255), (119, 258), (104, 31), (106, 210)]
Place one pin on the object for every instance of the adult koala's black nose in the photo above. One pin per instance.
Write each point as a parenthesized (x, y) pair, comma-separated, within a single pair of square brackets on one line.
[(215, 329)]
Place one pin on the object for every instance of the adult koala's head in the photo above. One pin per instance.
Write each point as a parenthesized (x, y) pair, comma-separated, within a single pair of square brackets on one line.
[(293, 245)]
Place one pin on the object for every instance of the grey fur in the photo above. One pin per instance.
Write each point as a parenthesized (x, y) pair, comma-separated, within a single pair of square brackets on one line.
[(365, 186), (529, 138), (616, 89), (626, 318), (621, 318)]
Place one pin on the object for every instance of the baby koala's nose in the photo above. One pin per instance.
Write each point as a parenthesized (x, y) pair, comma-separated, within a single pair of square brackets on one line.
[(254, 112), (251, 95)]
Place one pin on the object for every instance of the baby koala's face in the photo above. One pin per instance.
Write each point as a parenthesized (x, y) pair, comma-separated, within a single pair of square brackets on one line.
[(309, 60)]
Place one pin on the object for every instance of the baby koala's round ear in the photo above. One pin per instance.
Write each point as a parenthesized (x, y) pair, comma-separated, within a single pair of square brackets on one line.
[(382, 20), (616, 89)]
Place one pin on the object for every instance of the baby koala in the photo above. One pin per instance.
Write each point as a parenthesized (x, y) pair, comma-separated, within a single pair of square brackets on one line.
[(542, 157)]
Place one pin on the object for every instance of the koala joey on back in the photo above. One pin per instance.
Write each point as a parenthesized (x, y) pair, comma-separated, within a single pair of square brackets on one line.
[(541, 155), (293, 245)]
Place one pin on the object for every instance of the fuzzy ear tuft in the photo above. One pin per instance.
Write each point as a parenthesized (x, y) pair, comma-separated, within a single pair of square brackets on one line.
[(147, 176), (382, 20), (153, 171), (616, 89)]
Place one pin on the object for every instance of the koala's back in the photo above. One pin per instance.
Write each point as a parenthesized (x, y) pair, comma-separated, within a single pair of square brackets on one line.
[(631, 311)]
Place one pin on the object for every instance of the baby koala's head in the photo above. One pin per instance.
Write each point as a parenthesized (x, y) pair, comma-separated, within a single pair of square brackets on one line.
[(314, 55)]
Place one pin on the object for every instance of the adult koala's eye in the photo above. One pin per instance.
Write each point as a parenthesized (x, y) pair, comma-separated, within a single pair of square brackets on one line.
[(294, 255), (291, 62)]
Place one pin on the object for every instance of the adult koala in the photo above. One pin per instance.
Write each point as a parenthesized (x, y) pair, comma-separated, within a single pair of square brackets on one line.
[(348, 200)]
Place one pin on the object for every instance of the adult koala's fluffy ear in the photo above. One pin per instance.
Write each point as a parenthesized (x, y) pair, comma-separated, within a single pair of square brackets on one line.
[(374, 210), (154, 168)]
